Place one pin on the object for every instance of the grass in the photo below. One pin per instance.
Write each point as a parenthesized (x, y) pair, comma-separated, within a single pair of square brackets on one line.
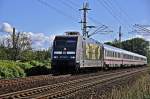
[(10, 69), (13, 69), (140, 90)]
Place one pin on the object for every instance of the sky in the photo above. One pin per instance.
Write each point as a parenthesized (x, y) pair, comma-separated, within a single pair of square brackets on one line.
[(43, 19)]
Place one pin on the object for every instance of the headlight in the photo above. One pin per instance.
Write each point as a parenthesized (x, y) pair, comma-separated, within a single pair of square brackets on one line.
[(73, 57), (55, 56)]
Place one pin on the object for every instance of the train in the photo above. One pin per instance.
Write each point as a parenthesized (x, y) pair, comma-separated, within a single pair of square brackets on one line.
[(72, 52)]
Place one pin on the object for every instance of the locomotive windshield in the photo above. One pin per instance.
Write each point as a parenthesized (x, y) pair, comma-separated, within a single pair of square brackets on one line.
[(64, 47), (65, 42)]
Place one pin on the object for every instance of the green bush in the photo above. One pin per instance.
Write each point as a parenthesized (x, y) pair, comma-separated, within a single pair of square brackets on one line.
[(36, 63), (10, 69), (24, 66), (47, 63)]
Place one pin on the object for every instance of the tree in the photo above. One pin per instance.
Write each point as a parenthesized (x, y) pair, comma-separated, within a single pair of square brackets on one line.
[(15, 43), (114, 43), (136, 45)]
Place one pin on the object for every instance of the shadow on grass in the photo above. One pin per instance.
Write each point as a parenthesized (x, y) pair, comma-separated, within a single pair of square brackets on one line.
[(38, 70)]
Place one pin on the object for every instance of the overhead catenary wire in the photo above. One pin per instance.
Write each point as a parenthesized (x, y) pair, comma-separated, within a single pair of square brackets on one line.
[(142, 28), (56, 9), (122, 10), (125, 20), (117, 9), (68, 5), (100, 29), (123, 15), (107, 7), (72, 4)]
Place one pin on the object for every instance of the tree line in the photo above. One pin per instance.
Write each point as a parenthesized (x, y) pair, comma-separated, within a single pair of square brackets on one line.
[(17, 46)]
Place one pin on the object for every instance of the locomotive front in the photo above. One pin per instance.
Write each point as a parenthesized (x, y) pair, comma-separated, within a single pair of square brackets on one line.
[(64, 53)]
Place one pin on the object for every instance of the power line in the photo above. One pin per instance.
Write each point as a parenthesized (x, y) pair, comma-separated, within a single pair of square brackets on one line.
[(122, 10), (102, 29), (95, 21), (109, 6), (142, 28), (68, 5), (117, 11), (106, 6), (73, 3), (56, 9), (125, 17)]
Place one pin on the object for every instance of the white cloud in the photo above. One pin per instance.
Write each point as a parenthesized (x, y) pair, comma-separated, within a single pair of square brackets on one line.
[(39, 40), (52, 37), (139, 36), (148, 28), (6, 27)]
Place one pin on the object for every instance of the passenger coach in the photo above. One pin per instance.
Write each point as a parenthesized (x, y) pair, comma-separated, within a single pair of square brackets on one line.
[(72, 52)]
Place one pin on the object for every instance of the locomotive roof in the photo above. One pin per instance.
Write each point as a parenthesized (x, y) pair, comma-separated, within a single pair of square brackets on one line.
[(67, 35)]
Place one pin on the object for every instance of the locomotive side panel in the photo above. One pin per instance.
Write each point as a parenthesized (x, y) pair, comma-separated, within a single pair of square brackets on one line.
[(92, 54)]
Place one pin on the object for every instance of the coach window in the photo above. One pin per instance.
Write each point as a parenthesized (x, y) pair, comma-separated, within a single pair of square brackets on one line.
[(114, 54), (109, 53), (125, 56), (105, 52), (119, 55)]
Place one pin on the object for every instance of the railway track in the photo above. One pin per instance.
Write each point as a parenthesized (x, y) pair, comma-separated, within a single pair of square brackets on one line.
[(27, 82), (18, 84), (69, 87)]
